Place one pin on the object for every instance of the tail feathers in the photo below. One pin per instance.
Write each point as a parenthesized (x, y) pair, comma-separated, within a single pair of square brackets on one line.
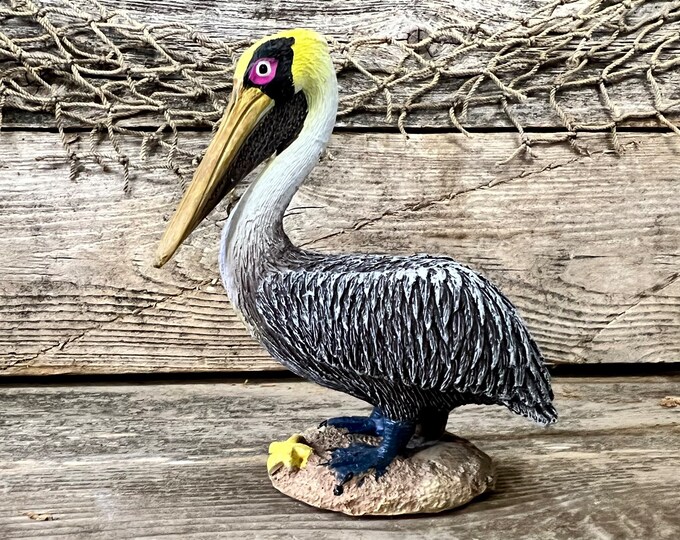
[(542, 413)]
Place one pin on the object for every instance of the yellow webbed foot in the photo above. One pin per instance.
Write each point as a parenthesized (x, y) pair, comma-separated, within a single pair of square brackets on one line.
[(292, 454)]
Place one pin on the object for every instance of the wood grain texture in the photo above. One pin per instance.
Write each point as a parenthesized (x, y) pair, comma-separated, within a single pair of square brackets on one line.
[(181, 461), (340, 19), (587, 246), (344, 20)]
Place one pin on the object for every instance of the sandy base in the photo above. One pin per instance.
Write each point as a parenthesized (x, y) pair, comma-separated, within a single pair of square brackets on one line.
[(437, 478)]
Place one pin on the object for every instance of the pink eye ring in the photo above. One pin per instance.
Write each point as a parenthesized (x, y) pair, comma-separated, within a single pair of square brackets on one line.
[(263, 71)]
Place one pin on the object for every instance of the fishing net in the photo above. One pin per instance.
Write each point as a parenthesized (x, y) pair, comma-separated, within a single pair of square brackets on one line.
[(593, 65)]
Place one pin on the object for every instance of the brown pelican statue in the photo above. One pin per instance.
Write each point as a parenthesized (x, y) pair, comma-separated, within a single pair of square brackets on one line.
[(414, 336)]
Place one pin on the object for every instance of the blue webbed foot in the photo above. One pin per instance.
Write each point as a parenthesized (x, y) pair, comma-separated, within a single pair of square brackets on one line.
[(358, 459), (359, 425)]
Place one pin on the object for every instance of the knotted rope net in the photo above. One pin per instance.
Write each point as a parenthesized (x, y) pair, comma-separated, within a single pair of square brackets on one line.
[(78, 65)]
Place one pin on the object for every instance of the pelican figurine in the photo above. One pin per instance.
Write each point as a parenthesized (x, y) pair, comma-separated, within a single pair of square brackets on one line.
[(414, 336)]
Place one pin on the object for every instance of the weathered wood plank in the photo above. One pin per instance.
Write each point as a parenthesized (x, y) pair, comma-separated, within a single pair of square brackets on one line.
[(339, 19), (185, 461), (346, 20), (588, 246), (632, 98)]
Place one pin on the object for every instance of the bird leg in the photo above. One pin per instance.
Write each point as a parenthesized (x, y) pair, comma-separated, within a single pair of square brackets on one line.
[(359, 425), (432, 425), (358, 459)]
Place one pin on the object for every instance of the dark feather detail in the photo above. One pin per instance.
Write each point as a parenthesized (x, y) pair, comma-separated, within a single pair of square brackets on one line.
[(407, 334), (273, 134)]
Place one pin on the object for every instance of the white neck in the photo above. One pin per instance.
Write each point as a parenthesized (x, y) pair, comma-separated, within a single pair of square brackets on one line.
[(254, 229)]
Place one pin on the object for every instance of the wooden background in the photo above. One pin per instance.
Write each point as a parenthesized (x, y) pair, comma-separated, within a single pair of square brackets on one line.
[(587, 245)]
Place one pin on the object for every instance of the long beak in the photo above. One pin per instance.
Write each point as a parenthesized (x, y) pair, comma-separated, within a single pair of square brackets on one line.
[(245, 110)]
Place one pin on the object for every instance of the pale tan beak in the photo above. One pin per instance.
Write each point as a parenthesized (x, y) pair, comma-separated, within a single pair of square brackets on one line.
[(243, 113)]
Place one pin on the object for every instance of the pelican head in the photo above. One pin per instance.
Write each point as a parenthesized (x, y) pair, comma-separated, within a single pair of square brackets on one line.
[(277, 82)]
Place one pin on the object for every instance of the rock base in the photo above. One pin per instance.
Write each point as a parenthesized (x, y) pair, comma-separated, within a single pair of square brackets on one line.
[(430, 479)]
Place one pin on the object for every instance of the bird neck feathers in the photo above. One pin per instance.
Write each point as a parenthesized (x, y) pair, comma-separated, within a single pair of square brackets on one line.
[(254, 231)]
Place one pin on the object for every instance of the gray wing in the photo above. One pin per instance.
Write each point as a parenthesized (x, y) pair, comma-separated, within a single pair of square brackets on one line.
[(418, 321)]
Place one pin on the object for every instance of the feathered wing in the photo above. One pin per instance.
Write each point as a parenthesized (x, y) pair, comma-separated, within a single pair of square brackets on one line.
[(418, 322)]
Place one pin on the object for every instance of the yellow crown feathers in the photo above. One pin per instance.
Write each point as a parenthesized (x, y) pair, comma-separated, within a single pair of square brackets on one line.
[(310, 49)]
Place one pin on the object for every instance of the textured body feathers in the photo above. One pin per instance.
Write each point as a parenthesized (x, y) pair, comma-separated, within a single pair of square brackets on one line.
[(410, 335)]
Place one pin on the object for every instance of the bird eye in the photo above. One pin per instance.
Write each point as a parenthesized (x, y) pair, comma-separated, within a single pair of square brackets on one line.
[(263, 71), (263, 68)]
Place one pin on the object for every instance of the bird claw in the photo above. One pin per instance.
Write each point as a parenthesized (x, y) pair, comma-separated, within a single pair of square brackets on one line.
[(339, 488)]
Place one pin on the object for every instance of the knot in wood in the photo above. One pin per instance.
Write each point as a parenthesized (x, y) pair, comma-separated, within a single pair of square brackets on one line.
[(416, 35)]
